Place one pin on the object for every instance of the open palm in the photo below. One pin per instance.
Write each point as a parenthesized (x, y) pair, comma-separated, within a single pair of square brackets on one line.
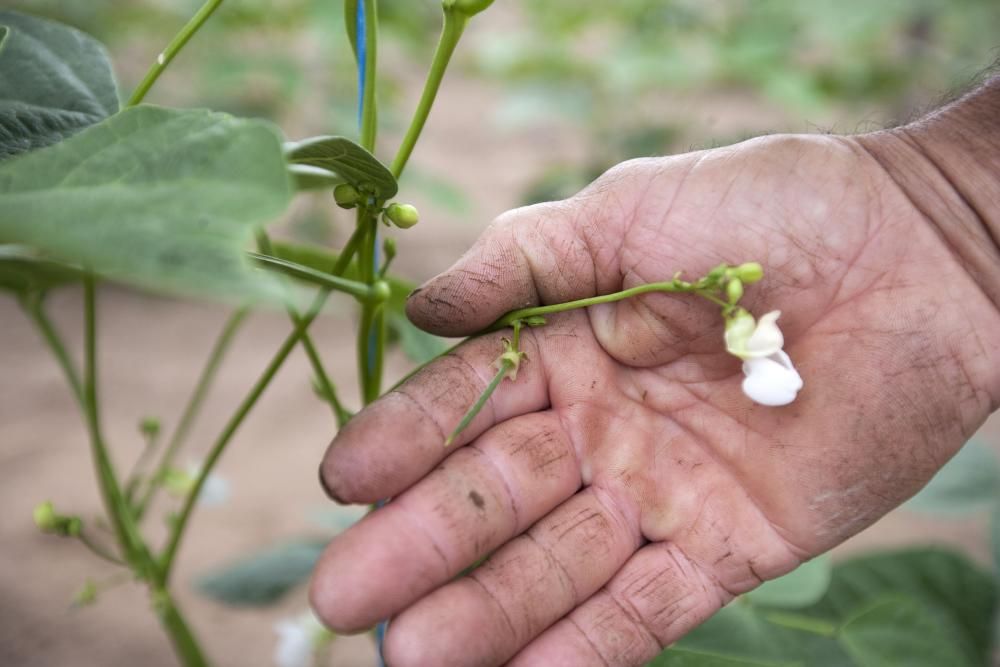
[(623, 486)]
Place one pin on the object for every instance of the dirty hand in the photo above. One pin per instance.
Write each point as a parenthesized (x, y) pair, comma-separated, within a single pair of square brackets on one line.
[(623, 488)]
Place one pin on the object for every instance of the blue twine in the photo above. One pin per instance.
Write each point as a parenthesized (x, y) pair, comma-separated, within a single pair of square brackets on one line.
[(362, 46)]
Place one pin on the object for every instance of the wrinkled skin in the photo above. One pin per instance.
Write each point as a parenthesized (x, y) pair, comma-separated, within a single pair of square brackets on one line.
[(623, 484)]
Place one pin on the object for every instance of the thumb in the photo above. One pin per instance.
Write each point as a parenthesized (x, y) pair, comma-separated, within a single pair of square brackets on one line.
[(529, 256)]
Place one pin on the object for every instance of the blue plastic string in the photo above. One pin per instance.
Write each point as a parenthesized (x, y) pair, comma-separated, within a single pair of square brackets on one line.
[(362, 46)]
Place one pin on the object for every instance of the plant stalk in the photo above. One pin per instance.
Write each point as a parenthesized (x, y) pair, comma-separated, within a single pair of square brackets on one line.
[(173, 48), (454, 26)]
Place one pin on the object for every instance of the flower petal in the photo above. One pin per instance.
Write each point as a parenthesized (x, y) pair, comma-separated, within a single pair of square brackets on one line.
[(766, 339), (771, 380)]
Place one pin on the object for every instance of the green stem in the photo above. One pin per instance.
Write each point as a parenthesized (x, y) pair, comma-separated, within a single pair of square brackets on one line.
[(454, 25), (97, 549), (193, 406), (668, 286), (505, 367), (118, 511), (369, 369), (325, 384), (369, 111), (185, 644), (173, 48), (35, 310), (359, 290), (801, 622), (178, 529)]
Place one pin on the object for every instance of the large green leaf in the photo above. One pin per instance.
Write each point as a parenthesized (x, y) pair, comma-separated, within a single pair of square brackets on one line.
[(348, 160), (264, 577), (876, 608), (801, 587), (968, 482), (159, 198), (900, 631), (54, 81), (959, 594)]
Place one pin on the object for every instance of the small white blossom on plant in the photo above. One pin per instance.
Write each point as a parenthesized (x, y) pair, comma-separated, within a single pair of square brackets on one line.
[(299, 639), (771, 379)]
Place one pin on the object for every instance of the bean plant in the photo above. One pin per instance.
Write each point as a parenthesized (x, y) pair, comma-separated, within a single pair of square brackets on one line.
[(178, 201)]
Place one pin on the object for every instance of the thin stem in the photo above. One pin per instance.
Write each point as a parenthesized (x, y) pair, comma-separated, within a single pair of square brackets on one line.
[(37, 313), (802, 622), (117, 509), (326, 385), (193, 406), (536, 311), (185, 644), (97, 549), (369, 112), (177, 532), (369, 353), (356, 289), (505, 368), (173, 48), (454, 25)]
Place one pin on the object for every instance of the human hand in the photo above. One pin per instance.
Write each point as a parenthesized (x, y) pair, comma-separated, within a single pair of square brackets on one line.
[(623, 487)]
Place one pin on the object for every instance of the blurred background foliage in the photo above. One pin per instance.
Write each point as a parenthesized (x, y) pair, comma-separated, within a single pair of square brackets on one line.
[(621, 73)]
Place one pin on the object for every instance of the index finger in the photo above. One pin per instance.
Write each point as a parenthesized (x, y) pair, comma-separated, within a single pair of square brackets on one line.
[(399, 438)]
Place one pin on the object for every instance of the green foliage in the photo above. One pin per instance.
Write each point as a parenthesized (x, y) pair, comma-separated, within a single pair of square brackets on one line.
[(969, 481), (264, 577), (54, 81), (917, 607), (348, 160), (801, 587), (158, 198)]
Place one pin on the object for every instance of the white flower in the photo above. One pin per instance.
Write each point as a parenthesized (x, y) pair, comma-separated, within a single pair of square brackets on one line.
[(299, 639), (771, 379)]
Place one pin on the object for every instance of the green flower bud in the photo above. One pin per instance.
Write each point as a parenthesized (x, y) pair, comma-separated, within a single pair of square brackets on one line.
[(46, 518), (381, 291), (467, 7), (403, 216), (389, 248), (346, 195), (734, 290), (749, 272)]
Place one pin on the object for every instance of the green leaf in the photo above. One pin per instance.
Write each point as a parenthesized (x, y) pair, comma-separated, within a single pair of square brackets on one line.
[(54, 81), (159, 198), (959, 594), (900, 631), (262, 578), (306, 177), (417, 344), (801, 587), (683, 657), (351, 24), (23, 271), (968, 482), (346, 159)]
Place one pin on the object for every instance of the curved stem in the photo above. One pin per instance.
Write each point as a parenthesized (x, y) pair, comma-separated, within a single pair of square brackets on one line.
[(537, 311), (369, 353), (97, 549), (193, 406), (173, 48), (454, 25)]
